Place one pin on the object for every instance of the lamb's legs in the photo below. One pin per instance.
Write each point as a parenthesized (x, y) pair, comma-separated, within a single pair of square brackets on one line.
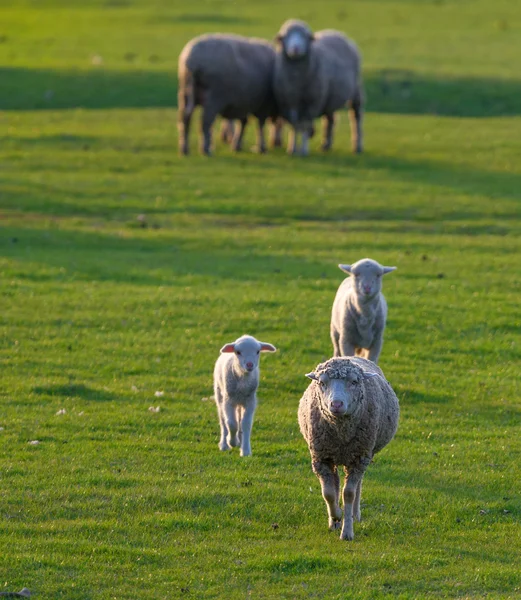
[(373, 353), (223, 444), (330, 483), (231, 423), (304, 144), (346, 348), (237, 139), (335, 338), (207, 120), (246, 425), (328, 126), (227, 131), (356, 114)]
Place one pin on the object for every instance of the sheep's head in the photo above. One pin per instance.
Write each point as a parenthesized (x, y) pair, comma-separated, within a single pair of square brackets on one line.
[(339, 382), (247, 350), (294, 39), (367, 276)]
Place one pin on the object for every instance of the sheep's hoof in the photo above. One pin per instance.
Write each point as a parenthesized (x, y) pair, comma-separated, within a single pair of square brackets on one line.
[(183, 150), (223, 446), (357, 517), (258, 149), (326, 146), (347, 535), (234, 442), (246, 453), (334, 525)]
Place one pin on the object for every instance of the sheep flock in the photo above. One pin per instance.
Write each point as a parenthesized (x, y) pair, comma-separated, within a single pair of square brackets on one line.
[(301, 76)]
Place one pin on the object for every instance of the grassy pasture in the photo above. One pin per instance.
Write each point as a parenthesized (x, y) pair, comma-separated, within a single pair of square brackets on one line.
[(124, 268)]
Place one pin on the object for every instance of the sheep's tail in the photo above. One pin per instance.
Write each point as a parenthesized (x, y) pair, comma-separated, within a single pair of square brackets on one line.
[(186, 95)]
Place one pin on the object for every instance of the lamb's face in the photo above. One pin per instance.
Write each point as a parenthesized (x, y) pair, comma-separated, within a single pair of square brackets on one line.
[(247, 352), (295, 40), (367, 277)]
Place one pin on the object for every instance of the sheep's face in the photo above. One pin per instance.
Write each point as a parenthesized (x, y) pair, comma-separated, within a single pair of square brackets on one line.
[(367, 277), (247, 352), (295, 40), (340, 385)]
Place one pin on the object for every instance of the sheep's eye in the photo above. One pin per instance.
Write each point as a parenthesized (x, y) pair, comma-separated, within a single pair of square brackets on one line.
[(238, 352), (258, 351)]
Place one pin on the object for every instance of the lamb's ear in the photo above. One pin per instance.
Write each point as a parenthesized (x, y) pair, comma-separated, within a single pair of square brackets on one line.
[(228, 348), (345, 268), (265, 347), (278, 38), (312, 375), (368, 375), (389, 269)]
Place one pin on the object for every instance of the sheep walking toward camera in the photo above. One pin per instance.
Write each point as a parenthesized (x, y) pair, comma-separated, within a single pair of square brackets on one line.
[(360, 311), (228, 75), (348, 413), (315, 75), (236, 379)]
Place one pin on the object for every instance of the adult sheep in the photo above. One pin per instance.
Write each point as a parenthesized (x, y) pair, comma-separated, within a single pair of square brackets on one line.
[(348, 413), (315, 75), (228, 75), (360, 311)]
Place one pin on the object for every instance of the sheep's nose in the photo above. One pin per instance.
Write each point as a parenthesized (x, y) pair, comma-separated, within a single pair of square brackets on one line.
[(336, 404), (249, 365)]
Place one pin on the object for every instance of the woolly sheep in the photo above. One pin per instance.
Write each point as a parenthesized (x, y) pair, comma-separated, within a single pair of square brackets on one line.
[(228, 75), (360, 311), (315, 75), (236, 379), (348, 413)]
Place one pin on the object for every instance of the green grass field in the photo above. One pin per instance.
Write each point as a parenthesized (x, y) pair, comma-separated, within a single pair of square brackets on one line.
[(125, 268)]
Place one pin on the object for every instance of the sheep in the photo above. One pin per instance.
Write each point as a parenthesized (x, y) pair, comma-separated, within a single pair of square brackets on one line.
[(360, 311), (348, 413), (236, 379), (228, 75), (315, 75)]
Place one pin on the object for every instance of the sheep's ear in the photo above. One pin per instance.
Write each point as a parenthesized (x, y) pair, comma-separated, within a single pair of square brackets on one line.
[(345, 268), (312, 375), (265, 347), (228, 348), (368, 375), (389, 269), (278, 38)]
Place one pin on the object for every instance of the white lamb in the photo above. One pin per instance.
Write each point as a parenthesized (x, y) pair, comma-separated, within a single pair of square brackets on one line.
[(236, 379), (360, 311)]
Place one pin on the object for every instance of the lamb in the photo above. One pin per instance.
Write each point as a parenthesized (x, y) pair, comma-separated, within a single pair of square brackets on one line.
[(315, 75), (360, 311), (228, 75), (348, 413), (236, 379)]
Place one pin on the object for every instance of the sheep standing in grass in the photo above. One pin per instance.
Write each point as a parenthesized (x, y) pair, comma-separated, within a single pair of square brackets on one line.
[(228, 75), (315, 75), (348, 413), (360, 311), (236, 379)]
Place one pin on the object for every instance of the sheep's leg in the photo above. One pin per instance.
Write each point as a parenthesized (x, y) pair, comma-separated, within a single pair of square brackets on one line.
[(356, 114), (330, 483), (292, 141), (223, 444), (373, 353), (350, 488), (261, 142), (237, 140), (207, 120), (357, 515), (328, 126), (276, 133), (346, 347), (246, 425), (231, 423), (304, 144), (184, 118), (227, 131)]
